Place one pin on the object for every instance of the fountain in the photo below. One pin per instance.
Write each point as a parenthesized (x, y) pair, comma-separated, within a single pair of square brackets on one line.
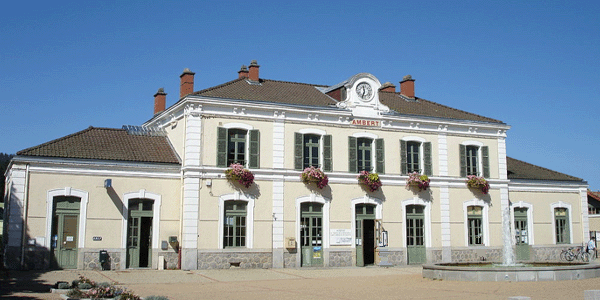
[(509, 270)]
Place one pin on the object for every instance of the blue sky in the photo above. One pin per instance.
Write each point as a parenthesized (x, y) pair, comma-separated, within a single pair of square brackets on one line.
[(68, 65)]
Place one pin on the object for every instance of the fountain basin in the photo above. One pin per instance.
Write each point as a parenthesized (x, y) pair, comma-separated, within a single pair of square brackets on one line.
[(536, 271)]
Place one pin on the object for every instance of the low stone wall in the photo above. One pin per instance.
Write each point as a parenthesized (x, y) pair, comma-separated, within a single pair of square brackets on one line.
[(476, 254), (340, 258), (547, 253), (289, 259), (388, 257), (91, 259), (225, 260), (171, 259)]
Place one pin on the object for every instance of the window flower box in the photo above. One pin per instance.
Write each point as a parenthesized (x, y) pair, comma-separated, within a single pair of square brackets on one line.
[(479, 183), (238, 173), (312, 174), (417, 180), (370, 180)]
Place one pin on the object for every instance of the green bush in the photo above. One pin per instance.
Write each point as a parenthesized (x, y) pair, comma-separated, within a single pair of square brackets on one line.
[(156, 298), (84, 286), (63, 285)]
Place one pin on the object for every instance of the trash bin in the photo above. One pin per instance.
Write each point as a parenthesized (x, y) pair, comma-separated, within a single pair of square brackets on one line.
[(104, 260)]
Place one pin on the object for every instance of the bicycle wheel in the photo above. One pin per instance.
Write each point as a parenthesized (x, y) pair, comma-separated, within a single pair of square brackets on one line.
[(570, 256), (585, 257), (563, 255)]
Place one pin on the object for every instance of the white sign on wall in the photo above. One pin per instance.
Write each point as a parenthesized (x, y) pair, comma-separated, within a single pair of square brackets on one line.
[(340, 237)]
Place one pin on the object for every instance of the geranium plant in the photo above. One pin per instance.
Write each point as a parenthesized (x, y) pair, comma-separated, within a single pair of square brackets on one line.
[(478, 182), (371, 180), (312, 174), (243, 176), (418, 180)]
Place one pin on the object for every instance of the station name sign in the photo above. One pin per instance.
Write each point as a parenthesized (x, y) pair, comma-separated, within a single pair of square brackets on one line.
[(366, 123)]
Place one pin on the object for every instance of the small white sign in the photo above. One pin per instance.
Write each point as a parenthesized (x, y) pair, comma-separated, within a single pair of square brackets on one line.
[(340, 237), (69, 238)]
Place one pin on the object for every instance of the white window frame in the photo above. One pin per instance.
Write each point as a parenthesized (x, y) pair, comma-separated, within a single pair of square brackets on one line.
[(320, 133), (529, 207), (484, 220), (242, 126), (479, 155), (373, 137), (156, 206), (421, 151), (83, 204), (561, 204), (237, 196), (366, 199), (426, 212)]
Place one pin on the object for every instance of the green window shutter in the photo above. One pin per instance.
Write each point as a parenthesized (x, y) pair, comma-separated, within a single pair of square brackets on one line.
[(463, 160), (352, 167), (380, 156), (254, 159), (298, 150), (403, 159), (327, 161), (221, 147), (427, 158), (485, 161)]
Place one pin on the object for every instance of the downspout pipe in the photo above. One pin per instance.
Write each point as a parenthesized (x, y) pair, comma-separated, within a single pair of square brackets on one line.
[(24, 242)]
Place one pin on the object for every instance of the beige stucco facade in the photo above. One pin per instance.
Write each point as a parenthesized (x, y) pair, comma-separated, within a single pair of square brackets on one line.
[(189, 199)]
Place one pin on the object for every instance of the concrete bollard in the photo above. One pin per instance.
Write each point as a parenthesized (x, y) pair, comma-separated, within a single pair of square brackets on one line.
[(161, 262)]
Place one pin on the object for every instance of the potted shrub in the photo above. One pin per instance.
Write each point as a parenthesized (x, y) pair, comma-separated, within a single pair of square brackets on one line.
[(238, 173), (370, 180), (312, 174), (479, 183), (417, 180)]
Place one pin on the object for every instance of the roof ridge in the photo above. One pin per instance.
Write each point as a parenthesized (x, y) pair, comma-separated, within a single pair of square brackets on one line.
[(536, 166), (294, 82)]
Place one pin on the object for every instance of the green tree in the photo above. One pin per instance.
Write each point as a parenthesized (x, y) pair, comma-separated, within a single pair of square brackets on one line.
[(4, 161)]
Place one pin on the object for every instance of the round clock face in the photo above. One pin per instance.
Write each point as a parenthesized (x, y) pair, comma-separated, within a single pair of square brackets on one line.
[(364, 91)]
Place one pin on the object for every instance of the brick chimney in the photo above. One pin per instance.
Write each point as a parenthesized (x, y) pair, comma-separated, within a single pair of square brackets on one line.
[(160, 99), (407, 86), (388, 87), (187, 83), (253, 72), (243, 72)]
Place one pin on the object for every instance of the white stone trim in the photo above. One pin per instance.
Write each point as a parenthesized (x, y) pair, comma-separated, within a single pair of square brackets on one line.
[(313, 131), (365, 135), (366, 199), (443, 154), (156, 208), (237, 125), (237, 196), (318, 199), (561, 204), (529, 206), (83, 203), (427, 212), (484, 221)]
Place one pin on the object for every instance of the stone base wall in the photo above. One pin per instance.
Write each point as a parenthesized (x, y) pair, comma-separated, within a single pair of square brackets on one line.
[(289, 259), (391, 257), (547, 253), (340, 258), (225, 260), (36, 258), (91, 259), (434, 256), (171, 259), (477, 254)]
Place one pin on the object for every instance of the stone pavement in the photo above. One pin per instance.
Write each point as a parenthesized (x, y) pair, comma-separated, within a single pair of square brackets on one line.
[(330, 283)]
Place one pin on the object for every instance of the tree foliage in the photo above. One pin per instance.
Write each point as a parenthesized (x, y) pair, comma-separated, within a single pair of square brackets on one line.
[(4, 161)]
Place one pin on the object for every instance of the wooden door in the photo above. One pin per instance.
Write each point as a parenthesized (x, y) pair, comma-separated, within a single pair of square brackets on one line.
[(415, 234), (65, 230), (139, 234), (522, 248), (311, 234), (365, 234)]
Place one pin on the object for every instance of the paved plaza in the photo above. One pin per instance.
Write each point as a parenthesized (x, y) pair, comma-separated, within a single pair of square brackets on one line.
[(330, 283)]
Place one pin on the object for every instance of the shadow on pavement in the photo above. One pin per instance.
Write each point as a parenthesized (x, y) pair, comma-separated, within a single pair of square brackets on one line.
[(22, 282)]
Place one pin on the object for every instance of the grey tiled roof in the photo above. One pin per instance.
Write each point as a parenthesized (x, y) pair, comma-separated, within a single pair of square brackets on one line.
[(308, 94), (521, 170), (107, 144)]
